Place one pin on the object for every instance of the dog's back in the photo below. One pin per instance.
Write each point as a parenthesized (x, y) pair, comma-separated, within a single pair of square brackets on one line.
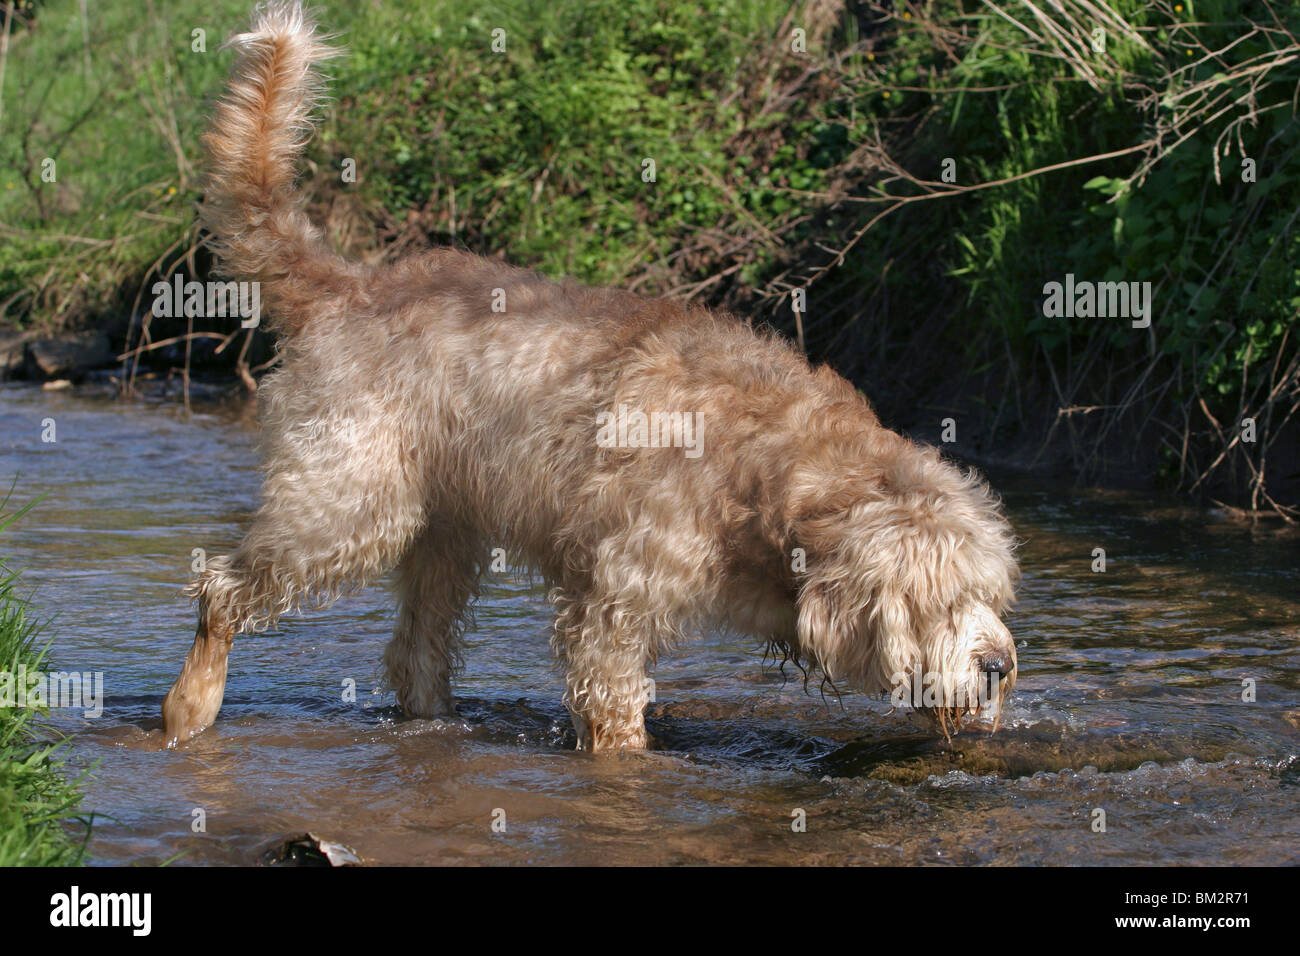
[(456, 354)]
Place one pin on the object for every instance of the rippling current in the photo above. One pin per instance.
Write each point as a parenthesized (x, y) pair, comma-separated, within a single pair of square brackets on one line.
[(1129, 699)]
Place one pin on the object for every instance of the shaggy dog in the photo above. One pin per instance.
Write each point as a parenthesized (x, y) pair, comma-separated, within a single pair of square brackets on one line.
[(662, 467)]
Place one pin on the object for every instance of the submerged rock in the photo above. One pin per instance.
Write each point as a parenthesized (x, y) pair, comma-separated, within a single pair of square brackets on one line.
[(308, 849)]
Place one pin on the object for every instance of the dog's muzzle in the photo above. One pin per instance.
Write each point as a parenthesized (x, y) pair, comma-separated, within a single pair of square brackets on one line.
[(998, 664)]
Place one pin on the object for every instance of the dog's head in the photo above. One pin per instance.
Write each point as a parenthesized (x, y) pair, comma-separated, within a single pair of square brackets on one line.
[(905, 588)]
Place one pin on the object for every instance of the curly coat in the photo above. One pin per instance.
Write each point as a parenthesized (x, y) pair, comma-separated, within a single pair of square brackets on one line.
[(413, 425)]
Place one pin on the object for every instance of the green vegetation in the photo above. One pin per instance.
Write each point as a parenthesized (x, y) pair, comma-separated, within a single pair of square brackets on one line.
[(1214, 235), (774, 170), (38, 806)]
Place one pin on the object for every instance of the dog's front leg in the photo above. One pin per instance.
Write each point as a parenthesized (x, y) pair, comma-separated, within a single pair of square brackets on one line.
[(194, 700), (605, 678), (610, 730)]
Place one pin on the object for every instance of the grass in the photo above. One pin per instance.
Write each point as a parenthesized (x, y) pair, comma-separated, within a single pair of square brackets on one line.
[(1194, 104), (39, 825), (539, 152)]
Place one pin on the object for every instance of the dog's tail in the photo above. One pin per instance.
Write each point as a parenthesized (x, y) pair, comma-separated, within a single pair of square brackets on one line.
[(259, 231)]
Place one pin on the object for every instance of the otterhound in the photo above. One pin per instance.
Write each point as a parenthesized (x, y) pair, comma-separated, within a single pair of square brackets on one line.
[(663, 468)]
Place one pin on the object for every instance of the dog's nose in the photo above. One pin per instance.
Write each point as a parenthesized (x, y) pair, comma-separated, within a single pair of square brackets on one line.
[(995, 664)]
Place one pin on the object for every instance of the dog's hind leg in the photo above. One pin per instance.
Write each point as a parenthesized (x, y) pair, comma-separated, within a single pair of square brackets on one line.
[(437, 581), (341, 504), (193, 701)]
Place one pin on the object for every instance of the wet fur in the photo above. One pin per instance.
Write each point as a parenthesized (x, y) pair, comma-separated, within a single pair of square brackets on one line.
[(410, 427)]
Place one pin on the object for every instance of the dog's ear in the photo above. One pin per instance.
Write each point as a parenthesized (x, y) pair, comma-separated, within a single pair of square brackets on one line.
[(855, 635), (820, 626)]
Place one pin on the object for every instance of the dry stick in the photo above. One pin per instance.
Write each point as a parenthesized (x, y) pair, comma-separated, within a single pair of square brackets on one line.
[(1060, 395), (1183, 470), (185, 373), (1241, 415), (1269, 60), (241, 365), (273, 360), (1223, 453), (1199, 93), (128, 381), (691, 291), (194, 269), (1200, 90), (173, 340), (956, 90), (1149, 164), (1247, 223), (1092, 353), (1272, 397), (1257, 478), (1065, 44), (1151, 397), (1010, 19), (60, 237), (1060, 50), (1127, 402), (1295, 407), (1277, 360), (950, 190), (1291, 374), (1103, 13)]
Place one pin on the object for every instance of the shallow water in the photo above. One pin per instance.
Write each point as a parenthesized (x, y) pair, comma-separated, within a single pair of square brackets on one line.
[(1129, 697)]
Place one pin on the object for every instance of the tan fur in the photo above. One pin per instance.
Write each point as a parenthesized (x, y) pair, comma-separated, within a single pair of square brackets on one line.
[(412, 427)]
